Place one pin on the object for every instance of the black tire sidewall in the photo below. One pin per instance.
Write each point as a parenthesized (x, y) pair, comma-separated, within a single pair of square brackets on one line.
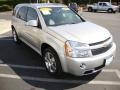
[(13, 30), (110, 11), (58, 64), (90, 9), (95, 10)]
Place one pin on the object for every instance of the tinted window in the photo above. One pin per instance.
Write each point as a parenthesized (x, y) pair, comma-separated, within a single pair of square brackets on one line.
[(100, 4), (32, 14), (104, 4), (22, 13)]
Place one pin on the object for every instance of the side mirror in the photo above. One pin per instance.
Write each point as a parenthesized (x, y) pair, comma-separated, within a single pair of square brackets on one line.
[(33, 23)]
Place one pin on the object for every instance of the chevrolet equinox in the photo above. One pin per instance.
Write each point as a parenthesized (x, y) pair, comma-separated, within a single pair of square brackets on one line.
[(66, 42)]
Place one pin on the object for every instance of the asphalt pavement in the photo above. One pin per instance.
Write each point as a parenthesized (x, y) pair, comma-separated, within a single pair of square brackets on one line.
[(21, 68)]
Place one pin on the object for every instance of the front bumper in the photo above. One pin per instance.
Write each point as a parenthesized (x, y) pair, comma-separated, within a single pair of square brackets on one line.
[(85, 66), (116, 9)]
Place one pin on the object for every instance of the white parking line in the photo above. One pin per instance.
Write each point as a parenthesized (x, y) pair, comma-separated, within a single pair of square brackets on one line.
[(112, 70), (118, 73), (42, 68), (59, 80), (5, 39), (22, 66), (105, 82)]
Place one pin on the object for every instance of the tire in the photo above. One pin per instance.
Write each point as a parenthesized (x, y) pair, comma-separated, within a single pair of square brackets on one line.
[(90, 9), (110, 10), (95, 10), (52, 62), (15, 36), (114, 11)]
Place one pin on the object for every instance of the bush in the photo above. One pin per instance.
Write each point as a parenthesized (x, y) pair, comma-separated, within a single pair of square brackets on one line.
[(5, 8)]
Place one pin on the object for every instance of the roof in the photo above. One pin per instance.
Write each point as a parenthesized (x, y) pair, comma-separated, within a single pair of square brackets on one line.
[(38, 5)]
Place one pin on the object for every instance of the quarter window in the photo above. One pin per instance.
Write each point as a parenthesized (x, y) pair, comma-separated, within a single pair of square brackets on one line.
[(22, 13)]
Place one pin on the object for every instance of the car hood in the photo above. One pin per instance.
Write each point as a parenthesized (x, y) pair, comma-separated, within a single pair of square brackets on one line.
[(114, 6), (85, 32)]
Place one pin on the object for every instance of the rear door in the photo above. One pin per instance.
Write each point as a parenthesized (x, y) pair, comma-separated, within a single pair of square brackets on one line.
[(20, 21), (100, 6), (105, 6)]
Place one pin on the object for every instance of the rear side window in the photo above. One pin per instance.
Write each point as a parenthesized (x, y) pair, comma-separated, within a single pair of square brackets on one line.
[(22, 13), (104, 4), (32, 14)]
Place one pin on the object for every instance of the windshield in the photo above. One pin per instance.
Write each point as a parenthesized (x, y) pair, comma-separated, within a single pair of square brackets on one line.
[(55, 16)]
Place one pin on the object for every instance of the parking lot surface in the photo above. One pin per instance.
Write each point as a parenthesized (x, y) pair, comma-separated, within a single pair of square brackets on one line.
[(21, 68)]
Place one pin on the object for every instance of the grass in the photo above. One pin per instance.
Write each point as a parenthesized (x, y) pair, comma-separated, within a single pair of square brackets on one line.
[(5, 5)]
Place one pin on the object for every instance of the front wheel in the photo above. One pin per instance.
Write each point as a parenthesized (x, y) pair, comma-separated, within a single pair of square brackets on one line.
[(110, 10), (114, 11), (95, 10), (52, 62)]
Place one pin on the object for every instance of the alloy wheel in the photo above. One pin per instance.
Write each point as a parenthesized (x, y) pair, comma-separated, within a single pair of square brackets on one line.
[(50, 62)]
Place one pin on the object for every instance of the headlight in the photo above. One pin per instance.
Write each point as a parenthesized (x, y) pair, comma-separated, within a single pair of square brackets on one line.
[(77, 49)]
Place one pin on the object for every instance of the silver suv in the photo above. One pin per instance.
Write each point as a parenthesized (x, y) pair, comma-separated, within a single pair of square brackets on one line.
[(66, 41)]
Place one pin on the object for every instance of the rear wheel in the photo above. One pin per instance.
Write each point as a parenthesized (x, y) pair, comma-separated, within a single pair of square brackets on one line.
[(15, 36), (90, 9), (52, 62)]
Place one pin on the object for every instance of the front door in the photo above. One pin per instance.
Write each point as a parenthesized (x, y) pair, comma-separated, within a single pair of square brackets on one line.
[(33, 32)]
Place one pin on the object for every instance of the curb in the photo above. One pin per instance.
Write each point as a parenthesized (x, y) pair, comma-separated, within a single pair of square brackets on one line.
[(5, 26), (5, 31)]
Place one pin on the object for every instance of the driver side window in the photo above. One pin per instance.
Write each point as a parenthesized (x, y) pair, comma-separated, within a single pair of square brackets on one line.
[(32, 14), (104, 4)]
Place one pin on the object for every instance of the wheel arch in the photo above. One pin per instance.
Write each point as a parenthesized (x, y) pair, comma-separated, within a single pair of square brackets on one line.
[(90, 7), (12, 27), (63, 62), (110, 9), (44, 46)]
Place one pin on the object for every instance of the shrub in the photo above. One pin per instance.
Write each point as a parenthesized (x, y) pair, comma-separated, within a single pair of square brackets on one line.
[(5, 8)]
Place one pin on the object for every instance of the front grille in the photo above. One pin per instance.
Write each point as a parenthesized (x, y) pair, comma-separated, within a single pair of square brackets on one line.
[(92, 44), (101, 50)]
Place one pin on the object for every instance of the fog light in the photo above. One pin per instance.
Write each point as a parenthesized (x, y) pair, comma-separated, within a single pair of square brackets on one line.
[(83, 66)]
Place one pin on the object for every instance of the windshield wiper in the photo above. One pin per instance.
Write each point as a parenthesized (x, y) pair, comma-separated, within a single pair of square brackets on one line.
[(65, 24), (74, 23)]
